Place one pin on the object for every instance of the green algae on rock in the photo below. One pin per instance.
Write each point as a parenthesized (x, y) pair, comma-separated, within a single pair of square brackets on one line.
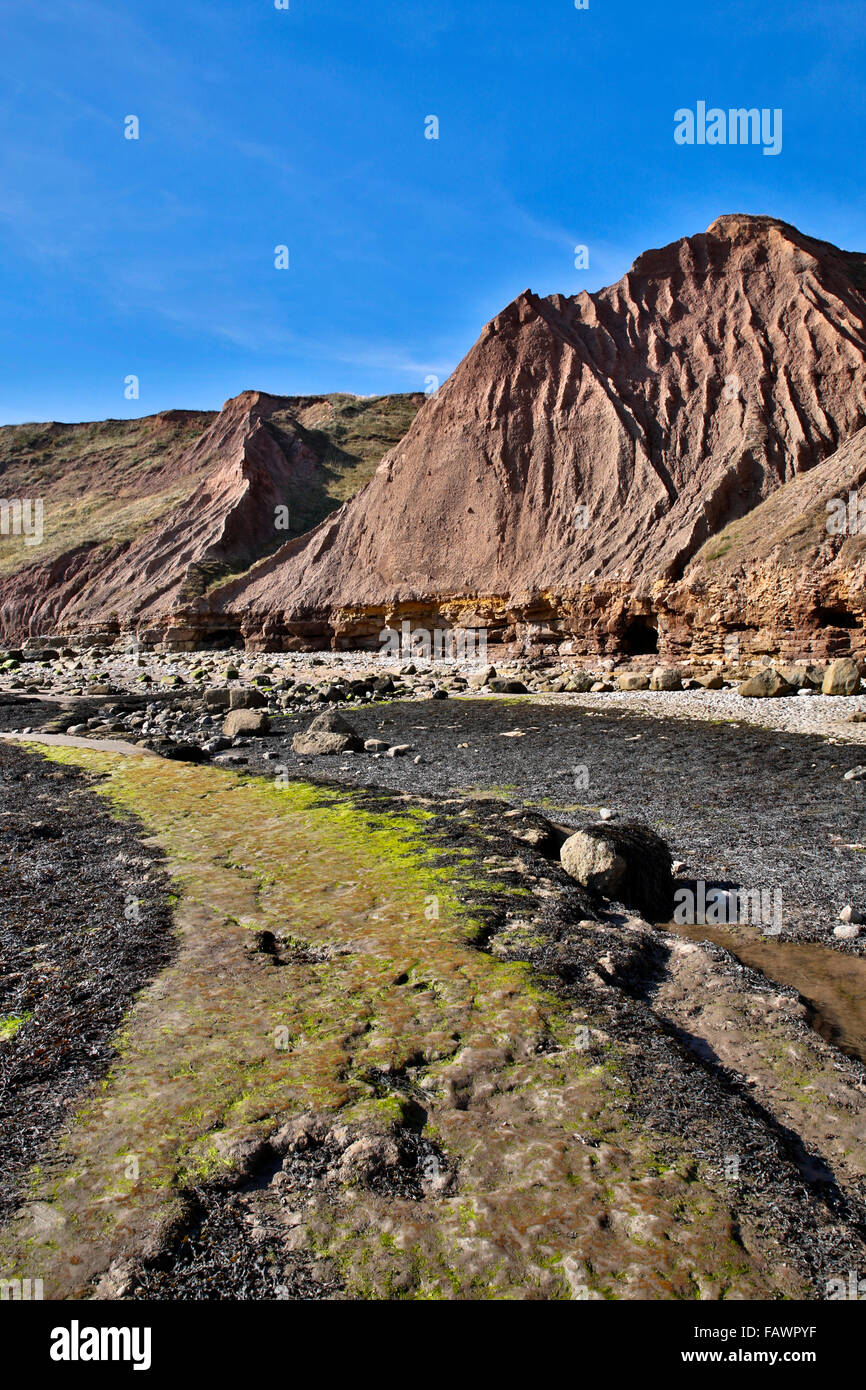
[(10, 1023), (376, 1012)]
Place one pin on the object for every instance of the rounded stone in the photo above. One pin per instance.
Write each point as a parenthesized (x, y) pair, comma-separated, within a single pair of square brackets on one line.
[(592, 862), (842, 677)]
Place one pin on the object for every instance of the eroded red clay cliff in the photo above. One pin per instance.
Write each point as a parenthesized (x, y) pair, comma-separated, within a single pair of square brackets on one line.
[(586, 448), (562, 490)]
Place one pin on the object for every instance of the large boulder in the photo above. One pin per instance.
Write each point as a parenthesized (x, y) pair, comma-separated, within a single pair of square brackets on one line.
[(628, 862), (245, 721), (632, 680), (478, 679), (842, 677), (328, 733), (666, 678), (802, 677), (218, 697), (246, 699), (764, 686), (503, 685), (593, 862)]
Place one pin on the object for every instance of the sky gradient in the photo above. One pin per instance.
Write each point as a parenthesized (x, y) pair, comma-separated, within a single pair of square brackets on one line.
[(306, 128)]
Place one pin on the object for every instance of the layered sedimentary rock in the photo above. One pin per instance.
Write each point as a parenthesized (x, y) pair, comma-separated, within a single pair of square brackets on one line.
[(788, 580), (586, 482), (586, 449)]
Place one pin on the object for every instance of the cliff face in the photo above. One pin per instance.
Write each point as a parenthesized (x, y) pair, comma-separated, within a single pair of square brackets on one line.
[(216, 497), (98, 482), (788, 581), (586, 448), (564, 489)]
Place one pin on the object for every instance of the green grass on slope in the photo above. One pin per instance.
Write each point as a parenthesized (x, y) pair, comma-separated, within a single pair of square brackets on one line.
[(100, 483)]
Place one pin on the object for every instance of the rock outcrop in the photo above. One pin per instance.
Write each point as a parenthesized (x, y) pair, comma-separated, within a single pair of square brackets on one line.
[(245, 721), (766, 685), (329, 733), (786, 582), (177, 511), (640, 471), (584, 452)]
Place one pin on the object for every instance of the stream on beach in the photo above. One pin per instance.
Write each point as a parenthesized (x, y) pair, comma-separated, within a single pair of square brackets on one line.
[(831, 983)]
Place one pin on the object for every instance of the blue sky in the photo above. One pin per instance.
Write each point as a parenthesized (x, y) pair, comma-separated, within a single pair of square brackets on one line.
[(262, 127)]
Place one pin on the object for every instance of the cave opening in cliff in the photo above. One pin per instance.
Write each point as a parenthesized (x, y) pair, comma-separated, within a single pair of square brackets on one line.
[(837, 617), (221, 640), (640, 638)]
